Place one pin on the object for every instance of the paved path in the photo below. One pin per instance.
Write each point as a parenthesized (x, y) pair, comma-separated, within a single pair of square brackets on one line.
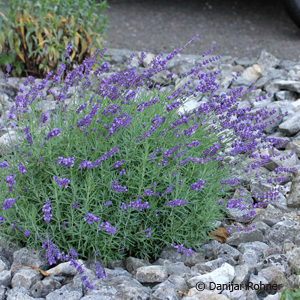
[(237, 27)]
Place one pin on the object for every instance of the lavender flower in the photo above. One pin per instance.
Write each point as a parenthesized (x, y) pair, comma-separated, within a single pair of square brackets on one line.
[(107, 227), (4, 165), (176, 202), (148, 192), (73, 253), (27, 233), (85, 164), (135, 205), (51, 251), (47, 209), (149, 232), (66, 162), (100, 273), (197, 185), (118, 188), (53, 133), (22, 169), (168, 190), (76, 265), (10, 179), (8, 203), (62, 181), (117, 165), (87, 285), (108, 203), (44, 118), (182, 249), (28, 136), (122, 172), (90, 218), (75, 204)]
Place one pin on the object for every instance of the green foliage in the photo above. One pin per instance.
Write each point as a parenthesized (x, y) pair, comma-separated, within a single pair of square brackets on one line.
[(34, 34), (187, 224), (290, 294)]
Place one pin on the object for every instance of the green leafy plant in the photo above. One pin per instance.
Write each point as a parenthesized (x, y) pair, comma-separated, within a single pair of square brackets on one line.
[(290, 294), (122, 172), (34, 34)]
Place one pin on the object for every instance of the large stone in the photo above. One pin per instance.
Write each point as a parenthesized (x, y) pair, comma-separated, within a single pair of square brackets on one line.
[(178, 268), (19, 293), (25, 278), (291, 126), (274, 275), (251, 252), (242, 273), (293, 200), (44, 287), (34, 258), (66, 292), (245, 236), (165, 291), (294, 259), (132, 264), (252, 73), (288, 85), (5, 278), (222, 275), (151, 274), (64, 269), (284, 230), (267, 61)]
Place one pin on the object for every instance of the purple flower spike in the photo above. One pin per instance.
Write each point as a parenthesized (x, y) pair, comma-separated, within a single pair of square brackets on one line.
[(53, 133), (197, 185), (86, 283), (118, 188), (66, 162), (22, 169), (100, 273), (75, 204), (75, 264), (90, 218), (10, 181), (44, 118), (62, 181), (107, 227), (27, 233), (47, 209), (149, 232), (4, 165), (176, 202), (182, 249), (8, 203)]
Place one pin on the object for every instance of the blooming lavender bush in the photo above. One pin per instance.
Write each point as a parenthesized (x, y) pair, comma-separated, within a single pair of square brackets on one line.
[(123, 173)]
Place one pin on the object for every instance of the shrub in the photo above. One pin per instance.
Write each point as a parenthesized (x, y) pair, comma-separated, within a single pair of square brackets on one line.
[(290, 294), (34, 34), (122, 172)]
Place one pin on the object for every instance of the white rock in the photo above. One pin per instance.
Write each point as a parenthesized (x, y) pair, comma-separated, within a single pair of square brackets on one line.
[(222, 275), (151, 274), (252, 73)]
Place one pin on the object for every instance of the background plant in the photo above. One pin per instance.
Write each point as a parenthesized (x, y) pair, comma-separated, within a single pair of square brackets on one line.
[(34, 34)]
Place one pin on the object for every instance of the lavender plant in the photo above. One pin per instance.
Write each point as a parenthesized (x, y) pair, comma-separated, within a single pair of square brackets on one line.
[(123, 173)]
